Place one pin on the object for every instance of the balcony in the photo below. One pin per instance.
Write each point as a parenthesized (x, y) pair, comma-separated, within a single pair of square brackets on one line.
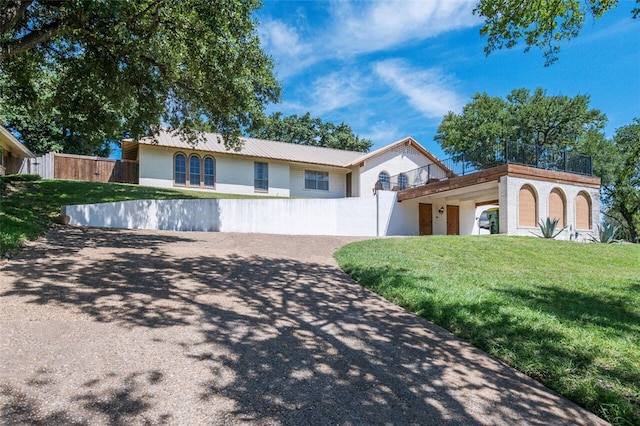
[(513, 153)]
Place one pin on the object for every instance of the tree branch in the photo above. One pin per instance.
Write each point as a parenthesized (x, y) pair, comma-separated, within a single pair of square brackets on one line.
[(12, 14), (29, 41)]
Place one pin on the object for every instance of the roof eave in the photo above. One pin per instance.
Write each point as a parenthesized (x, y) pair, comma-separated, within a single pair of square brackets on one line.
[(407, 140), (239, 154), (15, 142)]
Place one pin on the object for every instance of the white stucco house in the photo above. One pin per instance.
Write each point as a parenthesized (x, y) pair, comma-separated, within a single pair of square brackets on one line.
[(399, 189), (270, 168)]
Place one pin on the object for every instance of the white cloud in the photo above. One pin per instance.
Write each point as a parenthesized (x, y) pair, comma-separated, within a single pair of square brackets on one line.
[(354, 28), (286, 46), (384, 24), (428, 91), (382, 133), (335, 91)]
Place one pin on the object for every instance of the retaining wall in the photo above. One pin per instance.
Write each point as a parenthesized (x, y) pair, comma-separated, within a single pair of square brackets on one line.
[(370, 216)]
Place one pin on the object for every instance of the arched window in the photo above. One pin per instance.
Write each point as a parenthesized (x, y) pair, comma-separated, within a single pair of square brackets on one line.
[(403, 181), (527, 207), (209, 172), (180, 169), (558, 207), (194, 170), (383, 178), (583, 211)]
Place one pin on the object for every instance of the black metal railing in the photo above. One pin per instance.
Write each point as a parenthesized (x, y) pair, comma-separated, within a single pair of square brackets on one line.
[(539, 157)]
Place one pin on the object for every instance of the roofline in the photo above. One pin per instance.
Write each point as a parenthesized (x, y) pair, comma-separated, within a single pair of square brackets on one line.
[(240, 154), (408, 141), (15, 142)]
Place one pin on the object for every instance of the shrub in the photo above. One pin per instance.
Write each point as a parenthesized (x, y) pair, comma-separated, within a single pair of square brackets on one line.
[(607, 233), (548, 228), (19, 178)]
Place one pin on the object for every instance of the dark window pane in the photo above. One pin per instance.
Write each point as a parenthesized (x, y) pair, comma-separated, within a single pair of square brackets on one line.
[(194, 170), (209, 171), (180, 173), (261, 176)]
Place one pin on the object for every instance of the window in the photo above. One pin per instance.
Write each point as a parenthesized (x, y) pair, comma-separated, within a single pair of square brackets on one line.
[(583, 211), (316, 180), (403, 181), (261, 176), (194, 170), (180, 169), (209, 172), (557, 207), (383, 178), (527, 207)]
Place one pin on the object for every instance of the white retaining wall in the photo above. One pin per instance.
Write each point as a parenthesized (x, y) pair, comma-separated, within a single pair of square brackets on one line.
[(370, 216)]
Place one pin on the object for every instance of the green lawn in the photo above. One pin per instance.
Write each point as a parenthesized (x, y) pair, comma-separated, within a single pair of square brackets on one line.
[(564, 313), (28, 208)]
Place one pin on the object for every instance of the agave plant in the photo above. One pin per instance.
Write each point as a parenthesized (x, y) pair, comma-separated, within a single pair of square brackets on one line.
[(548, 228), (607, 233)]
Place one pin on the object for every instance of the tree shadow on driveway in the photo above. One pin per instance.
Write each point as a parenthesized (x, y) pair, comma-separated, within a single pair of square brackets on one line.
[(236, 337)]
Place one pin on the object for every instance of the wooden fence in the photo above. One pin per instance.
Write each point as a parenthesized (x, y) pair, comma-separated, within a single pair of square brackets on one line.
[(82, 167)]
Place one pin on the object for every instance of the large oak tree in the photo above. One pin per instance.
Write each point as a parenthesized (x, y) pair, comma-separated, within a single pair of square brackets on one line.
[(487, 124), (305, 130), (541, 24), (617, 162), (75, 75)]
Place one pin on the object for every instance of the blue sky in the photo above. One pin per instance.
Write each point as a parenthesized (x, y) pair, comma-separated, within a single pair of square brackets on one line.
[(393, 68)]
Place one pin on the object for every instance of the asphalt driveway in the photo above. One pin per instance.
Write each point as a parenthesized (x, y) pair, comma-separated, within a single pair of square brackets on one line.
[(139, 327)]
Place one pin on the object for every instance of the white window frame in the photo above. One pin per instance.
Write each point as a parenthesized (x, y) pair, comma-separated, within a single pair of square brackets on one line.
[(315, 179), (192, 173), (184, 173), (386, 182), (204, 173), (260, 176)]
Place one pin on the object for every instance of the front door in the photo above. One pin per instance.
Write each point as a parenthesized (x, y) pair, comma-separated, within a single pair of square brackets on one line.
[(425, 219), (453, 220), (348, 184)]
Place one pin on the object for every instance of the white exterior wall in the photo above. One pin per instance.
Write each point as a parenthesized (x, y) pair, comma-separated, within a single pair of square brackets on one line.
[(398, 160), (404, 218), (439, 224), (355, 181), (506, 207), (509, 192), (344, 216), (468, 222), (155, 166), (337, 182), (233, 175)]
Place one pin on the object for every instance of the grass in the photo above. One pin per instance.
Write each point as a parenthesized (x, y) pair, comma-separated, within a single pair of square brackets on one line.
[(564, 313), (29, 207)]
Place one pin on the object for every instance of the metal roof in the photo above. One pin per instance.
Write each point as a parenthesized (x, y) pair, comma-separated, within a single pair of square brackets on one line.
[(260, 148)]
